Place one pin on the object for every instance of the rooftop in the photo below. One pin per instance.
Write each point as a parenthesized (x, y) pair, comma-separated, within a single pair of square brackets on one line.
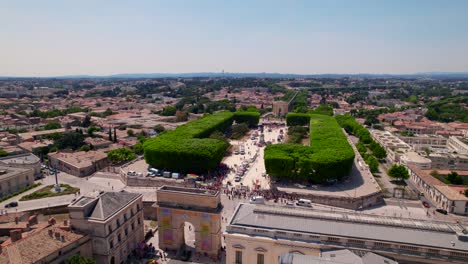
[(7, 172), (351, 225), (342, 256), (36, 245), (28, 158), (41, 133), (105, 204), (79, 159)]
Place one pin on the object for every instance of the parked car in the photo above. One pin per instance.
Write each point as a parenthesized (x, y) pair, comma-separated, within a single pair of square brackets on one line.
[(167, 174), (257, 200), (11, 204), (426, 204), (304, 202), (442, 211)]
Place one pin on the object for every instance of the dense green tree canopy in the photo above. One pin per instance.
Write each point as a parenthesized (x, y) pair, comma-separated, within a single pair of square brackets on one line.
[(121, 154), (297, 119), (398, 171), (329, 156), (188, 148), (52, 125), (250, 118)]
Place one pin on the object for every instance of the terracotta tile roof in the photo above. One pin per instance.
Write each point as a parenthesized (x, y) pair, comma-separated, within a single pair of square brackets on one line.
[(36, 245)]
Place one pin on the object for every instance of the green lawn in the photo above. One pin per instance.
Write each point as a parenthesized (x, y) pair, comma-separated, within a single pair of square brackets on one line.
[(6, 197), (47, 192)]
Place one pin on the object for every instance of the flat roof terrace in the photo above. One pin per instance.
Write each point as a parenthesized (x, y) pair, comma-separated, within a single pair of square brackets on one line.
[(415, 232)]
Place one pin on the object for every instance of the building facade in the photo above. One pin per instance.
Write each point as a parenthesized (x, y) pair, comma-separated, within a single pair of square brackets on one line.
[(441, 194), (113, 220), (262, 234), (80, 163), (14, 179), (24, 161)]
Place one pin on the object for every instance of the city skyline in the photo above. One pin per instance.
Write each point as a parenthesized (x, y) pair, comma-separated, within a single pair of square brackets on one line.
[(51, 38)]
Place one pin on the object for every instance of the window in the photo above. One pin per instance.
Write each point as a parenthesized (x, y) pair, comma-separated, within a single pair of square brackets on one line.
[(381, 245), (139, 221), (138, 207), (409, 248), (125, 217), (133, 226), (355, 242), (238, 257), (126, 231), (110, 229), (111, 243), (260, 259), (118, 223), (131, 212), (119, 238)]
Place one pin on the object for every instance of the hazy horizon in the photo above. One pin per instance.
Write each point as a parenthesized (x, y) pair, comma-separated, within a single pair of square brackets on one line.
[(100, 38)]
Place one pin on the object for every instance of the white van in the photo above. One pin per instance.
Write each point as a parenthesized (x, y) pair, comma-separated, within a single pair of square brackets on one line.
[(175, 175), (304, 202), (257, 200)]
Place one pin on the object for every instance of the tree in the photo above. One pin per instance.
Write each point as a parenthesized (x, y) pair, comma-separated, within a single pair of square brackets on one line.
[(159, 128), (76, 259), (52, 125), (130, 133), (121, 154), (454, 178), (91, 130), (3, 153), (239, 130), (373, 163), (398, 171), (87, 121), (219, 136), (378, 151), (138, 148), (85, 148), (169, 111), (73, 140)]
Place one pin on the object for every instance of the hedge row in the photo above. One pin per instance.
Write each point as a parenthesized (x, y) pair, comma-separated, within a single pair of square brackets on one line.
[(187, 148), (353, 127), (329, 156), (297, 119), (250, 118)]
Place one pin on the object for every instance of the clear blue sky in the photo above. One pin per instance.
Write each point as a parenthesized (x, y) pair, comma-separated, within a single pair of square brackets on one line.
[(99, 37)]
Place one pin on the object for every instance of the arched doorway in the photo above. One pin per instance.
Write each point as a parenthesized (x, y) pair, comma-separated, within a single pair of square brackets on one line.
[(112, 260), (176, 206)]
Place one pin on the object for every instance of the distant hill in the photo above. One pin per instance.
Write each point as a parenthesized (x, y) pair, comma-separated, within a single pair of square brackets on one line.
[(434, 75)]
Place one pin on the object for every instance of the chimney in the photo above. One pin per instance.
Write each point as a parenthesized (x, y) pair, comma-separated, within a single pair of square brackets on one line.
[(51, 233), (15, 235), (65, 222), (57, 235), (62, 238), (16, 220)]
